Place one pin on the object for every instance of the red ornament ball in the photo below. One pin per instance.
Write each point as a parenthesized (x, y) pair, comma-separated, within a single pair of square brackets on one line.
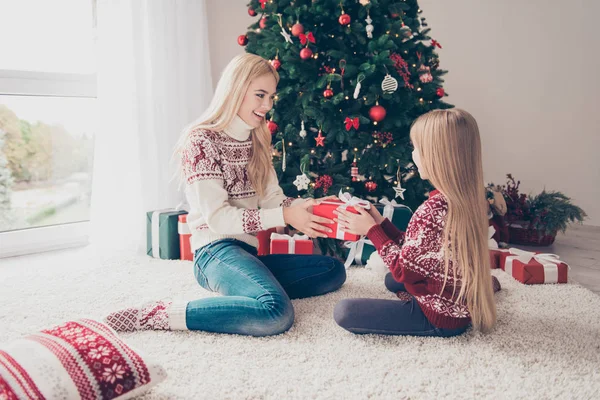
[(370, 186), (242, 40), (251, 12), (306, 53), (377, 113), (276, 63), (263, 23), (297, 29), (344, 19), (440, 92), (328, 93), (272, 127)]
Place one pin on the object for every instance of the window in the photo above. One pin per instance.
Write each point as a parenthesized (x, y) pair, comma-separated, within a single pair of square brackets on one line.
[(47, 123)]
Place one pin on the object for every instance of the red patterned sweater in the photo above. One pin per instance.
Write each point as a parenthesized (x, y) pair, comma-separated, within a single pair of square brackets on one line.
[(416, 259), (223, 202)]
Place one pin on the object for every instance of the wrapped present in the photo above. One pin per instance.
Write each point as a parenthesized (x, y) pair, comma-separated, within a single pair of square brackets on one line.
[(286, 244), (264, 239), (185, 246), (360, 251), (533, 268), (347, 202), (398, 214), (495, 257), (162, 237)]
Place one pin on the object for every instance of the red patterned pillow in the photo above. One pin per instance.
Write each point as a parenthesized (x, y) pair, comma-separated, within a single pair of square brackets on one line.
[(81, 359)]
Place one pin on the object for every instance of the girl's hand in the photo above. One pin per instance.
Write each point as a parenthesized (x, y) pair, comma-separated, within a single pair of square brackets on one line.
[(358, 224), (376, 214), (302, 219)]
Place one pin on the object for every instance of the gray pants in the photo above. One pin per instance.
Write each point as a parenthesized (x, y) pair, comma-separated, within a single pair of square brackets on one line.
[(388, 317)]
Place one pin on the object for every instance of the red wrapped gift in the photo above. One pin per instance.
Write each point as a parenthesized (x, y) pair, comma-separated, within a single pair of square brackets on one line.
[(495, 257), (534, 268), (185, 247), (347, 202), (286, 244), (264, 239)]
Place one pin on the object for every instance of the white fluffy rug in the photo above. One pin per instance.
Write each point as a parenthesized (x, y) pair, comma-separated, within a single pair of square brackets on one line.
[(547, 344)]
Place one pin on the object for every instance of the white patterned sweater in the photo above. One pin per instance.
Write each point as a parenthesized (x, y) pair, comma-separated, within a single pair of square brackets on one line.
[(223, 202)]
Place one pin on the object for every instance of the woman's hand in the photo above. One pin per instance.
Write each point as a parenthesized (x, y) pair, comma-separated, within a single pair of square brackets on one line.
[(303, 220), (358, 224)]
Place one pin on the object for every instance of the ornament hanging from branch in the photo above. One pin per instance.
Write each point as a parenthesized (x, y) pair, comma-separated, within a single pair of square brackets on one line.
[(389, 84), (302, 181), (359, 79), (275, 62), (342, 72), (302, 130), (320, 139), (354, 170), (284, 33), (344, 18), (283, 158), (399, 189), (352, 122), (369, 28), (297, 29)]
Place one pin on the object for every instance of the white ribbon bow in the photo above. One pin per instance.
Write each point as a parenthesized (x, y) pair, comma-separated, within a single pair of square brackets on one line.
[(492, 244), (356, 250), (389, 206), (549, 261), (290, 239), (347, 201), (350, 200)]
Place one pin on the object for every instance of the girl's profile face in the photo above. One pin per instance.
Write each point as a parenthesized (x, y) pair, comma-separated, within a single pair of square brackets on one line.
[(258, 100), (417, 159)]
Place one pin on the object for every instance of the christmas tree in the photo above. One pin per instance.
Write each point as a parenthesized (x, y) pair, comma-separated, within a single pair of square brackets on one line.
[(354, 75)]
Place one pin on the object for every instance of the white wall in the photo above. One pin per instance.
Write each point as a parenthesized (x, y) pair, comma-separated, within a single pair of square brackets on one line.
[(527, 71)]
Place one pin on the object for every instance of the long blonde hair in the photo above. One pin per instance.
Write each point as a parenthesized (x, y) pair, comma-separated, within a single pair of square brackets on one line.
[(223, 108), (450, 148)]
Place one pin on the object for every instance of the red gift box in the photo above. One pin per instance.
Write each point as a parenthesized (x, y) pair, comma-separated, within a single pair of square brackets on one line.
[(495, 257), (325, 209), (286, 244), (185, 247), (534, 268), (264, 239)]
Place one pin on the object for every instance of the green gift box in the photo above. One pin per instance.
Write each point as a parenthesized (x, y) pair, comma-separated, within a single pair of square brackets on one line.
[(359, 252), (162, 237)]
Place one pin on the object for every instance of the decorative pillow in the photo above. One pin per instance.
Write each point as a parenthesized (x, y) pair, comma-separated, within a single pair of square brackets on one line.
[(81, 359)]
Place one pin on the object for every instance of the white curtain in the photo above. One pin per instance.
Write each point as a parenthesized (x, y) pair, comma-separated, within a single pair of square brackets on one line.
[(153, 79)]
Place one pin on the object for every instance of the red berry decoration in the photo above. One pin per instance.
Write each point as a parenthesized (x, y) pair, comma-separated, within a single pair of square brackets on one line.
[(377, 113), (272, 127), (297, 29), (276, 63), (263, 23), (251, 12), (370, 186), (328, 93), (344, 19), (242, 40), (440, 92), (306, 53)]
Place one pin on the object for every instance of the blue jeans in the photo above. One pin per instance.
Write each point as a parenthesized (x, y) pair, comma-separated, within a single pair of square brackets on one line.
[(256, 289), (388, 317)]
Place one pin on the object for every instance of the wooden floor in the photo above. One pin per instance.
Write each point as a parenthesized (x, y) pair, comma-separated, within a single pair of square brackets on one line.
[(580, 248)]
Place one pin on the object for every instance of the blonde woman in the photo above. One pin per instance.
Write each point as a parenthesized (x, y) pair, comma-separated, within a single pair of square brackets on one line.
[(233, 193), (441, 292)]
